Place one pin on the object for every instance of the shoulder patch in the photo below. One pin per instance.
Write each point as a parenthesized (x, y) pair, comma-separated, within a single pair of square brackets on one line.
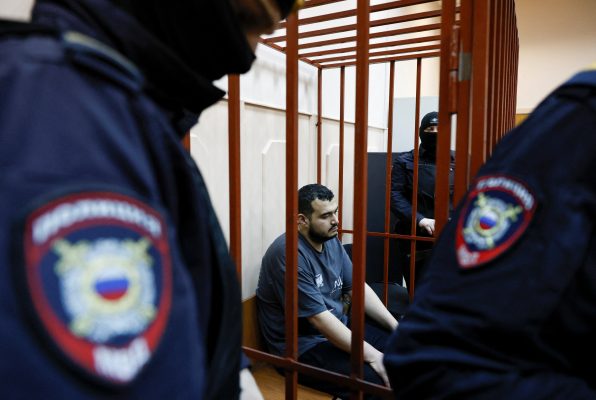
[(497, 212), (98, 273)]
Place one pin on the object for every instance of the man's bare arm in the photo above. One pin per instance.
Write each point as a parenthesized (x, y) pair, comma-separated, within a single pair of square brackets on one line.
[(376, 310)]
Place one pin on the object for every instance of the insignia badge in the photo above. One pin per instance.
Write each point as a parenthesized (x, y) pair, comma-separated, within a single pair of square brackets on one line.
[(497, 211), (99, 276)]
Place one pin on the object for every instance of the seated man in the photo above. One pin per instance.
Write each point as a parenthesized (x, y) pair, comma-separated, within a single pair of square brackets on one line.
[(324, 281)]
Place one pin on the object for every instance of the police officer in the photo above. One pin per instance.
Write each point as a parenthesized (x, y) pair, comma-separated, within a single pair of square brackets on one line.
[(508, 309), (402, 189), (115, 278)]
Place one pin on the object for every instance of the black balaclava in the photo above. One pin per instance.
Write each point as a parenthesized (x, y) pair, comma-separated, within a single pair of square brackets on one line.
[(429, 139), (204, 34)]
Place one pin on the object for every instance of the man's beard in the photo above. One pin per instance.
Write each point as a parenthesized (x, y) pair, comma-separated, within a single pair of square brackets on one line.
[(319, 238)]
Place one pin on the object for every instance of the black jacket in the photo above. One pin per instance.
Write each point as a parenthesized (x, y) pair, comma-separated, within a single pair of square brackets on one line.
[(402, 182)]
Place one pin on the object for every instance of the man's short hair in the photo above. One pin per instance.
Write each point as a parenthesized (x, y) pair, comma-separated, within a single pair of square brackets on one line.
[(307, 194)]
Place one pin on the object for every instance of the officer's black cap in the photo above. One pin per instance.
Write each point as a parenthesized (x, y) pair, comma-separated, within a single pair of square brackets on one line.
[(430, 119)]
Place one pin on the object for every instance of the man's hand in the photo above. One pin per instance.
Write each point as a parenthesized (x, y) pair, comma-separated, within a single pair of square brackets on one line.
[(341, 336), (428, 224), (377, 365)]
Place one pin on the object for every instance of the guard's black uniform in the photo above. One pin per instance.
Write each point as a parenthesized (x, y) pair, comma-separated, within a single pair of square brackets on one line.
[(508, 309), (402, 184), (115, 278)]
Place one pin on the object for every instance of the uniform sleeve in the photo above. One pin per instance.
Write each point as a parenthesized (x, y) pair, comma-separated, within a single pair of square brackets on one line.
[(87, 146), (470, 384)]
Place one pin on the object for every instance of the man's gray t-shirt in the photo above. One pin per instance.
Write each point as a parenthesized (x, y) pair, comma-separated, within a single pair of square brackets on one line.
[(322, 280)]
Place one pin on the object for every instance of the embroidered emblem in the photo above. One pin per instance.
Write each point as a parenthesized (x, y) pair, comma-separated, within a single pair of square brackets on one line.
[(497, 211), (99, 275)]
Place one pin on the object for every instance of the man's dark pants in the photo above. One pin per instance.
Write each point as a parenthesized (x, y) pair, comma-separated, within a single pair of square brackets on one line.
[(326, 356)]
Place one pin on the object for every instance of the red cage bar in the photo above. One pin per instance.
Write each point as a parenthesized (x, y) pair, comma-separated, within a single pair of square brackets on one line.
[(478, 49)]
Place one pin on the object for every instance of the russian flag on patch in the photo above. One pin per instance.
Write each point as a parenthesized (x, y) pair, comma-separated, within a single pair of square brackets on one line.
[(112, 288)]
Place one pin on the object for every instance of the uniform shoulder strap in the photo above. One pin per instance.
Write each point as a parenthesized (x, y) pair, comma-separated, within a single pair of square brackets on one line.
[(81, 47)]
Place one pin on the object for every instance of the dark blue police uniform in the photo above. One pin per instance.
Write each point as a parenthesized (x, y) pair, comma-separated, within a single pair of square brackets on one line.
[(110, 249), (402, 189), (508, 309)]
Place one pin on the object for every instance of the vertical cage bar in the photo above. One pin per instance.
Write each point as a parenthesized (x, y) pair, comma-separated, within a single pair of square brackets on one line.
[(505, 76), (515, 68), (342, 92), (509, 61), (498, 76), (360, 187), (463, 107), (504, 62), (492, 96), (508, 93), (513, 62), (501, 59), (388, 164), (291, 278), (235, 176), (413, 227), (446, 91), (512, 91), (480, 84), (319, 122)]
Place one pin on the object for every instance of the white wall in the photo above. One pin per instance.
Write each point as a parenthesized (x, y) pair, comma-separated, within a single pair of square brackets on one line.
[(404, 110), (15, 9), (557, 39)]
